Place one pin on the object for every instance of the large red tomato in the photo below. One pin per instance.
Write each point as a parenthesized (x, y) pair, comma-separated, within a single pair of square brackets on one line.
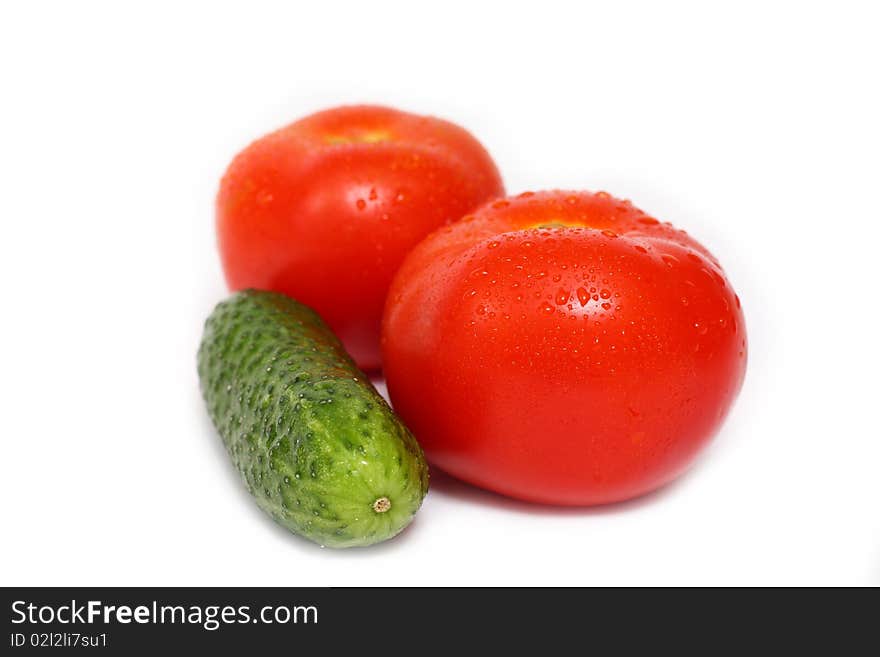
[(564, 348), (325, 209)]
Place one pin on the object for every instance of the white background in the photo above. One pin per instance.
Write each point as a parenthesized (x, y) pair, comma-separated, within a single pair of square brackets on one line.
[(754, 127)]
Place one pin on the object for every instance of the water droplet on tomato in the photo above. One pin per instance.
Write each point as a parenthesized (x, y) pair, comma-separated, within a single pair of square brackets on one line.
[(561, 296), (583, 296), (361, 204), (605, 294), (670, 260)]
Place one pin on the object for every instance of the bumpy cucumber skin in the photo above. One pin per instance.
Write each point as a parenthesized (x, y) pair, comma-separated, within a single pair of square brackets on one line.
[(312, 439)]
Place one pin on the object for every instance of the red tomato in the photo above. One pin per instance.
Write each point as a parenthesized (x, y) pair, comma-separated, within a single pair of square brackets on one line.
[(325, 209), (563, 348)]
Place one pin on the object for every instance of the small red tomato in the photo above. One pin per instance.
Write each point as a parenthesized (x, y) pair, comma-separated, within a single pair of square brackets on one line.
[(564, 348), (325, 209)]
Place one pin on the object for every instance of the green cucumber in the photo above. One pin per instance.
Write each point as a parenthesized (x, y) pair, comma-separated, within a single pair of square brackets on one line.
[(316, 445)]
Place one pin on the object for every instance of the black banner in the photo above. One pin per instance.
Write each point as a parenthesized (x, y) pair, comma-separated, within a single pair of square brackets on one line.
[(388, 621)]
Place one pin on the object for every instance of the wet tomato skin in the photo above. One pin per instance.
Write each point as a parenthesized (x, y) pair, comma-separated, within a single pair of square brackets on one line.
[(325, 209), (563, 348)]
